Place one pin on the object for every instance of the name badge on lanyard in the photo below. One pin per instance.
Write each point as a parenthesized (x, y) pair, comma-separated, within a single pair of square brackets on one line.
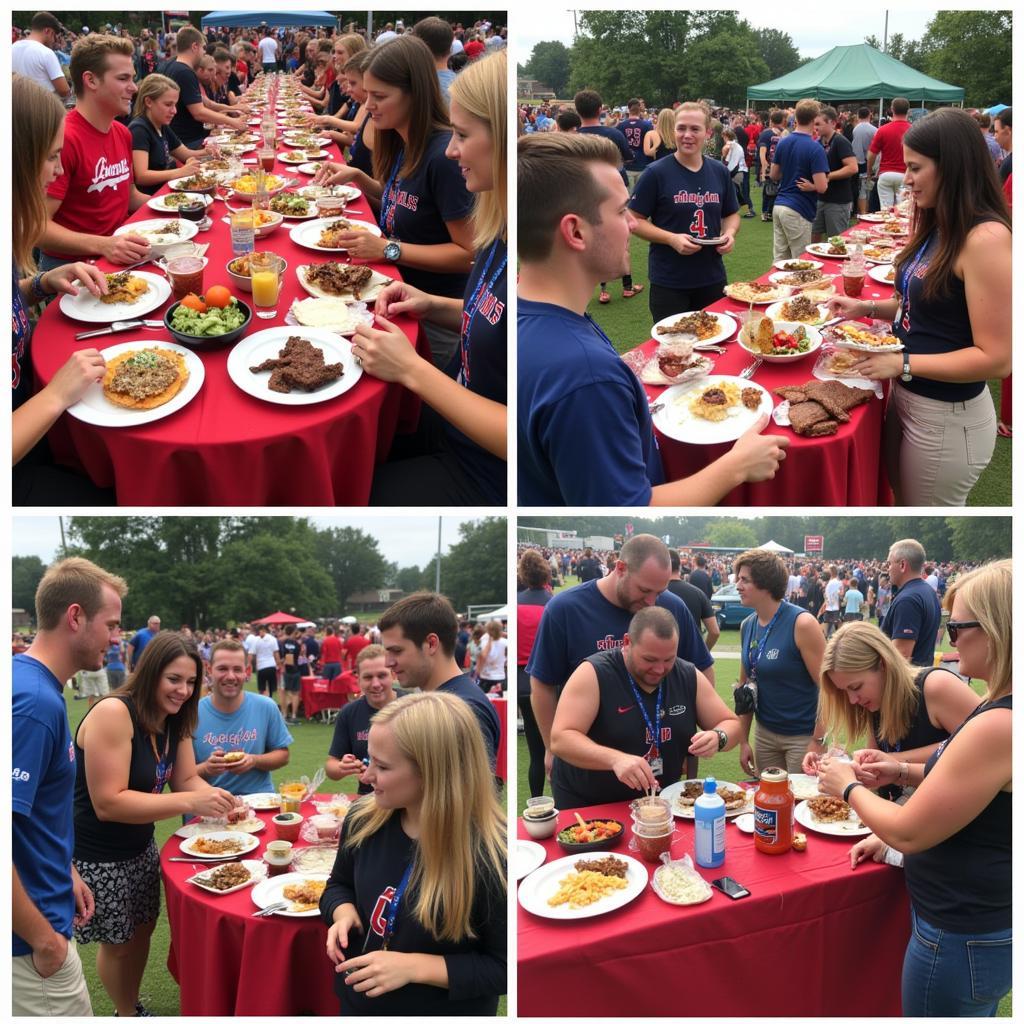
[(656, 762)]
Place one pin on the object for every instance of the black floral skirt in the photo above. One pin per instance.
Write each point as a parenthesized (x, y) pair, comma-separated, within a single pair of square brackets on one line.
[(127, 894)]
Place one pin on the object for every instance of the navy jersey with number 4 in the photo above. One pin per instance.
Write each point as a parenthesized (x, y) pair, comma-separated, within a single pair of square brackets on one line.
[(685, 202)]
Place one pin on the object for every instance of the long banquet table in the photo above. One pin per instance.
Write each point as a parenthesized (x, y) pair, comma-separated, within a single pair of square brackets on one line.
[(320, 694), (226, 447), (814, 938), (844, 469)]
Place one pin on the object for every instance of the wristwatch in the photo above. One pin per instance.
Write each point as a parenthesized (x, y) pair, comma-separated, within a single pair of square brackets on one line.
[(392, 251), (723, 738), (905, 376)]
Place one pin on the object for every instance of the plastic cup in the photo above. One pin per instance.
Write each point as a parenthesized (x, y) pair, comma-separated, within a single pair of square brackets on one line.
[(265, 275), (330, 206), (185, 274)]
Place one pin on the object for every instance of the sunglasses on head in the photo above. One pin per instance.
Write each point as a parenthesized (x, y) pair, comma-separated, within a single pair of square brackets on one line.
[(953, 628)]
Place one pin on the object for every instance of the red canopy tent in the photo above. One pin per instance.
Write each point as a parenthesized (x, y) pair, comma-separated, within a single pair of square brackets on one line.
[(278, 619)]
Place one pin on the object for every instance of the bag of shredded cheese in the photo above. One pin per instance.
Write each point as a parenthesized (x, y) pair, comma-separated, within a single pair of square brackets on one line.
[(676, 881)]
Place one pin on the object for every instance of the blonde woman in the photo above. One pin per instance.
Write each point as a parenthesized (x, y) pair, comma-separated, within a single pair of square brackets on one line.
[(491, 663), (155, 147), (415, 905), (465, 464), (661, 139), (869, 690), (954, 831), (37, 122)]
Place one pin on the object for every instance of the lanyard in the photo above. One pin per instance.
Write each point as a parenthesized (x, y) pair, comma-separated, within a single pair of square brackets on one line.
[(752, 669), (903, 313), (469, 310), (655, 733), (387, 202), (389, 926)]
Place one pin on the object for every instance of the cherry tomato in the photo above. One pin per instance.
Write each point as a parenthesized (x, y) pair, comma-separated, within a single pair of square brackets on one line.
[(192, 301)]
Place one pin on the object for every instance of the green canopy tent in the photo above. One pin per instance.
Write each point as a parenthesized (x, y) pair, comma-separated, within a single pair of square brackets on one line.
[(858, 72)]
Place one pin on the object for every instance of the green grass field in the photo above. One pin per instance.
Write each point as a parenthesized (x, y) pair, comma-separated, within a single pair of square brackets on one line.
[(627, 322), (159, 989)]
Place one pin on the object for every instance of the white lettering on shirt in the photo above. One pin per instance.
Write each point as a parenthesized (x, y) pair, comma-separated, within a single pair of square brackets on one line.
[(109, 175)]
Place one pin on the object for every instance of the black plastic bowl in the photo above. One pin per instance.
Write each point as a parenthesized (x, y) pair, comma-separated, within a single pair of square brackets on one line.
[(208, 341), (598, 844)]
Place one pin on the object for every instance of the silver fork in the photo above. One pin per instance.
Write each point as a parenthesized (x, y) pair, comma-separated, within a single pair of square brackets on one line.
[(272, 909), (751, 369)]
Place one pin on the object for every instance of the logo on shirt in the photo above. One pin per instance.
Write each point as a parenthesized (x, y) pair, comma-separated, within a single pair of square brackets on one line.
[(109, 175), (622, 711), (17, 775), (697, 198), (609, 643), (363, 734), (378, 918), (400, 197), (71, 751), (908, 632), (234, 739), (772, 655), (677, 709)]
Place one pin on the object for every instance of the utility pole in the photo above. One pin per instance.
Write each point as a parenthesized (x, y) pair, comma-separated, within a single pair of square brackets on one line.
[(437, 572), (63, 542), (885, 34)]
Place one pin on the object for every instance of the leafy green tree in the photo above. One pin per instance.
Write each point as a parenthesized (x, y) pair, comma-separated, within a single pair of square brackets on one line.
[(972, 49), (549, 63), (26, 572), (723, 65), (731, 534), (352, 559), (777, 51), (474, 569), (980, 538), (411, 578)]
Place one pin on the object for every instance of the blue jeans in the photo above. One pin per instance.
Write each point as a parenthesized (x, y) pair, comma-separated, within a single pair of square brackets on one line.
[(950, 974)]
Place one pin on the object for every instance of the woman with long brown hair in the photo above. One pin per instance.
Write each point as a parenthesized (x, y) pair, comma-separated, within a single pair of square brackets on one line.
[(951, 311)]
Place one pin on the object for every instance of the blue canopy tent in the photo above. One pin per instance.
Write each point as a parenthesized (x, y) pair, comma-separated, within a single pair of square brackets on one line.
[(276, 19), (997, 109)]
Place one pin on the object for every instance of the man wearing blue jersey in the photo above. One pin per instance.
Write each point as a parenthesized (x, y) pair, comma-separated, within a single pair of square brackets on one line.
[(681, 205), (800, 166), (635, 129)]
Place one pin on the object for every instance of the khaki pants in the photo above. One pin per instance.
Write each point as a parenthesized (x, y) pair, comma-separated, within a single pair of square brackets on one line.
[(889, 185), (791, 233), (61, 995), (773, 750)]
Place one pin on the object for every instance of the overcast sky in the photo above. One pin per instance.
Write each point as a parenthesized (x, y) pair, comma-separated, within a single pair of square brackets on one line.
[(812, 30), (407, 540)]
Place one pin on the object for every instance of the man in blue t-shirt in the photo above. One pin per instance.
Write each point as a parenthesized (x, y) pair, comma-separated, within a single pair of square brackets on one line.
[(801, 169), (595, 616), (914, 616), (78, 608), (418, 635), (585, 431), (635, 129), (682, 204), (233, 722), (137, 644), (765, 153)]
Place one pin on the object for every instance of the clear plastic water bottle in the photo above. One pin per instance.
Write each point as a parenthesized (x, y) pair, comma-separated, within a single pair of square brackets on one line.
[(709, 825)]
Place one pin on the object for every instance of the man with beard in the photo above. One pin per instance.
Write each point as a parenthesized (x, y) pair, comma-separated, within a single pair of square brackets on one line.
[(232, 721), (629, 717), (585, 430), (418, 636)]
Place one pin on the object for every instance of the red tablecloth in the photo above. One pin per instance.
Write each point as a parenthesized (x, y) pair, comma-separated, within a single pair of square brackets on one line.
[(319, 694), (844, 469), (229, 963), (226, 447), (813, 939), (501, 707)]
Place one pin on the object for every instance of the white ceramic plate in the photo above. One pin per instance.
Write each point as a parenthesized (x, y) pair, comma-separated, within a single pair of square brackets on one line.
[(821, 249), (178, 185), (204, 827), (248, 843), (775, 312), (847, 829), (159, 203), (263, 345), (761, 301), (888, 258), (675, 420), (671, 792), (93, 407), (304, 159), (880, 272), (289, 140), (782, 357), (873, 218), (777, 278), (745, 823), (726, 329), (262, 801), (257, 872), (347, 192), (308, 233), (541, 884), (377, 284), (781, 264), (527, 856), (272, 890), (86, 307), (187, 230)]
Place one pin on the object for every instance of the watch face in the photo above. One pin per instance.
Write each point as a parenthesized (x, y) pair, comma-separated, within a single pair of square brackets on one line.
[(391, 251)]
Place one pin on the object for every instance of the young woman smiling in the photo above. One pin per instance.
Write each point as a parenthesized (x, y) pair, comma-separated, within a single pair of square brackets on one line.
[(461, 458)]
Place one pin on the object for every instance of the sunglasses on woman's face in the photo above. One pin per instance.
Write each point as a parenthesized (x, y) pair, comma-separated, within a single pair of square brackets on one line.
[(953, 628)]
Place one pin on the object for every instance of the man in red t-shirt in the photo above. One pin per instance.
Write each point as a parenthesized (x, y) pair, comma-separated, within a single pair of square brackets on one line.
[(474, 48), (330, 655), (888, 143), (353, 645), (95, 193)]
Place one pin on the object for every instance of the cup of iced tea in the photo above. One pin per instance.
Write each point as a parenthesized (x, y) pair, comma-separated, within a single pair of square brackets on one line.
[(265, 271), (853, 280), (185, 274), (268, 157)]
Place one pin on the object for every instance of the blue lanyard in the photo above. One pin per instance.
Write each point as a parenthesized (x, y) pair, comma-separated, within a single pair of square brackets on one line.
[(387, 202), (389, 926), (903, 313), (470, 308), (752, 661), (655, 733)]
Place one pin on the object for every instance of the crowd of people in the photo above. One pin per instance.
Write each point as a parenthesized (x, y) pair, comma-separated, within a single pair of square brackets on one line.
[(921, 738), (86, 864), (681, 175), (421, 116)]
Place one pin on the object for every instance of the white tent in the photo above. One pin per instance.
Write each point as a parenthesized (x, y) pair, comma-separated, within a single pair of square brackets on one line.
[(498, 613), (777, 548)]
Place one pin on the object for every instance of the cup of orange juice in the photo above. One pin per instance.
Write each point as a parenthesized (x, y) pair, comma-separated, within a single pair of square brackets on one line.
[(265, 275)]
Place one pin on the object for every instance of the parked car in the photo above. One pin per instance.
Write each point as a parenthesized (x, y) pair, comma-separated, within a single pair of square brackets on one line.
[(728, 610)]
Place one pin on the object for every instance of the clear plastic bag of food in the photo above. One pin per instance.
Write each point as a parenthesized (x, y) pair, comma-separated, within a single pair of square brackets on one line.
[(677, 882)]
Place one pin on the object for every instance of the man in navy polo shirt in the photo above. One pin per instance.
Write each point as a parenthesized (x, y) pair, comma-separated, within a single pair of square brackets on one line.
[(800, 166), (595, 617), (913, 619), (78, 608)]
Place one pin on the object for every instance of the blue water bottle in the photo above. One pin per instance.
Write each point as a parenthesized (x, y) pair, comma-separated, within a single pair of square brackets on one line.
[(709, 822)]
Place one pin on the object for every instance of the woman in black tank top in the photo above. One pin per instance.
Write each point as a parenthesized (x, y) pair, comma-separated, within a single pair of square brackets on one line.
[(955, 830), (951, 311), (661, 139)]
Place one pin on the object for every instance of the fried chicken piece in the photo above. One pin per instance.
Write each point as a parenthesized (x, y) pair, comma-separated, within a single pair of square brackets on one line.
[(751, 398)]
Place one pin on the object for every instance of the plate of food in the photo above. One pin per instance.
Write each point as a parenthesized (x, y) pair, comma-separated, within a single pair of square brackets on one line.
[(811, 278), (778, 341), (306, 140), (701, 327), (292, 206), (752, 291), (262, 801), (527, 856), (805, 787), (590, 834), (301, 892), (796, 265), (893, 228), (834, 249), (800, 310), (333, 314), (883, 273), (294, 365), (711, 410), (679, 884), (830, 816), (132, 293), (144, 381), (351, 282), (874, 218), (245, 185), (161, 232), (582, 885), (302, 156), (347, 192), (229, 877), (206, 183), (207, 825), (879, 253), (219, 845), (684, 793), (324, 233), (315, 860), (853, 335), (172, 202)]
